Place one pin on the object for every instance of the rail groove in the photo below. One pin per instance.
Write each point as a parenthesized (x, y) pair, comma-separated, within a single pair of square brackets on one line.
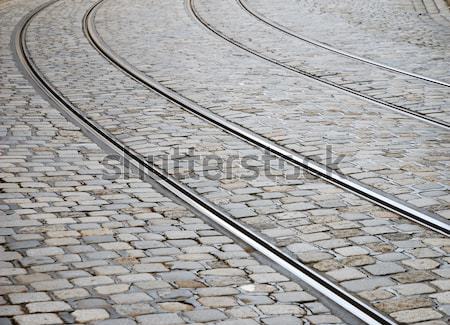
[(311, 76), (347, 301)]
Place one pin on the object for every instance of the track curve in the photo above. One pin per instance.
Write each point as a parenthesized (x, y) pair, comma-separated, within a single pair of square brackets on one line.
[(297, 269), (427, 219)]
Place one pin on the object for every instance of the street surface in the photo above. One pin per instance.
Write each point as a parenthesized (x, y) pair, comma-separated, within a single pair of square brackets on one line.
[(86, 240)]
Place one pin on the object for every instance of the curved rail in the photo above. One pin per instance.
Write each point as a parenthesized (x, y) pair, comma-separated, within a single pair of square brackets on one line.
[(331, 84), (297, 269), (246, 7), (380, 198)]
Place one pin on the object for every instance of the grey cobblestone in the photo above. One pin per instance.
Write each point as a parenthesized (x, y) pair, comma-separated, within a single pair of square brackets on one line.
[(38, 319)]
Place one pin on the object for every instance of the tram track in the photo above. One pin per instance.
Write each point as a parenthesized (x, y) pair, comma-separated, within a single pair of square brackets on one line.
[(244, 5), (427, 219), (298, 270)]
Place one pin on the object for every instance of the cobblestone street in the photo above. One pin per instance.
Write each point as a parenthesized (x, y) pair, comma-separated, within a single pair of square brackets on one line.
[(229, 162)]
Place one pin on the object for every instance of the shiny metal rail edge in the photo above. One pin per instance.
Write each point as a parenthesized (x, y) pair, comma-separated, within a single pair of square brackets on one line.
[(297, 269)]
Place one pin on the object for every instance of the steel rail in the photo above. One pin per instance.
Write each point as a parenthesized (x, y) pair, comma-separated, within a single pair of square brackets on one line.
[(297, 269), (380, 198), (311, 76), (259, 16)]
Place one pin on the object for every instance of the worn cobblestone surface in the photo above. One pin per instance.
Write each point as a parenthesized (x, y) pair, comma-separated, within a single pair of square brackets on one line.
[(424, 97), (386, 150), (400, 33), (366, 249), (79, 248)]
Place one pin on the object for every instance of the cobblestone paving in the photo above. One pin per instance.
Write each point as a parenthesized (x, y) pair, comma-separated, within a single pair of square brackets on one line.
[(79, 248), (399, 33), (424, 97), (383, 149), (367, 250)]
